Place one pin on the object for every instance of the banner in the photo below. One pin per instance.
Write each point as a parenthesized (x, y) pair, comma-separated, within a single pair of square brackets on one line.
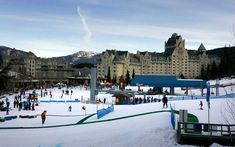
[(208, 94)]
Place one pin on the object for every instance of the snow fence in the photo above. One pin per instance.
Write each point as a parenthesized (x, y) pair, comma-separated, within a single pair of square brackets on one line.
[(103, 112), (64, 101)]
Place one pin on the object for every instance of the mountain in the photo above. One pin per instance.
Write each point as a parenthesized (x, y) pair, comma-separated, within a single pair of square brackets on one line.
[(229, 51), (5, 51), (81, 57), (76, 58), (82, 60)]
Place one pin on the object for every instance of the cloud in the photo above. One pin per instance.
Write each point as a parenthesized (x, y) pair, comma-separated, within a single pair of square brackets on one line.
[(88, 34), (121, 44)]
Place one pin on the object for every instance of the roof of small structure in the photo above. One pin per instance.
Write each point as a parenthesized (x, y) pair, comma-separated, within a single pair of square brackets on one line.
[(166, 81), (125, 95)]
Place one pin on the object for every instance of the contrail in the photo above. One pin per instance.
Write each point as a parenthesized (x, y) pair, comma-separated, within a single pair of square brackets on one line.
[(85, 26)]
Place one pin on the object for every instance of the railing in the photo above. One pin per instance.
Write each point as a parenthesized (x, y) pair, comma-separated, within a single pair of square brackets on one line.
[(220, 133)]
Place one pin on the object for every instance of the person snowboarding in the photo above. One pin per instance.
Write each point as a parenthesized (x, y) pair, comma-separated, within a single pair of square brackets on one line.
[(165, 100), (43, 116)]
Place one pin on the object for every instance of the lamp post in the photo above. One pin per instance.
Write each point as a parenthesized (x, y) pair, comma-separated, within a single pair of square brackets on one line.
[(208, 100)]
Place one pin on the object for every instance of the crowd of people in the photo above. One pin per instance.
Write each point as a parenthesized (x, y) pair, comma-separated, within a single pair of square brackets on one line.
[(20, 102), (139, 100)]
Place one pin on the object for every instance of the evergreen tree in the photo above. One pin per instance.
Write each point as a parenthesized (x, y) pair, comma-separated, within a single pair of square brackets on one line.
[(4, 79), (127, 81), (109, 76), (224, 67), (1, 62), (114, 80), (182, 76), (133, 73), (208, 72), (202, 73), (214, 71)]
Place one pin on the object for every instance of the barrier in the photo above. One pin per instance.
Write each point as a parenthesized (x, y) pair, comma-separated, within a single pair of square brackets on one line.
[(172, 118), (83, 121), (204, 134), (64, 101), (103, 112), (28, 116), (6, 118)]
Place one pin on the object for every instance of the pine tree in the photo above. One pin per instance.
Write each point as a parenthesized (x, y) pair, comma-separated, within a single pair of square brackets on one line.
[(1, 62), (224, 68), (203, 73), (208, 72), (109, 76), (114, 80), (133, 73), (4, 79), (127, 81), (214, 71), (182, 76)]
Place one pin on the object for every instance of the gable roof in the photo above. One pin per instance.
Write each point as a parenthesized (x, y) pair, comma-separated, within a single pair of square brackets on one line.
[(201, 48)]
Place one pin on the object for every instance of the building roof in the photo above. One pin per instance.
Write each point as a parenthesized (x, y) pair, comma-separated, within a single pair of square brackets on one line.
[(193, 54), (169, 51), (172, 41), (166, 81), (134, 58), (201, 48)]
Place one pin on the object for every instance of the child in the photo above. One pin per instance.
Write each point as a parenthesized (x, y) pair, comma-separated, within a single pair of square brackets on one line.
[(43, 116)]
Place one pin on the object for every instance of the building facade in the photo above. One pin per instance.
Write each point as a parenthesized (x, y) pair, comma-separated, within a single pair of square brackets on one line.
[(29, 69), (175, 60)]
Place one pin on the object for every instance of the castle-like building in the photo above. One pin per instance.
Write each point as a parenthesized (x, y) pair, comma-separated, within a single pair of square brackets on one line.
[(175, 60)]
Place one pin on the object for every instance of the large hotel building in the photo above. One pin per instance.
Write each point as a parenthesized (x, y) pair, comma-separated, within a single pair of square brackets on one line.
[(175, 60)]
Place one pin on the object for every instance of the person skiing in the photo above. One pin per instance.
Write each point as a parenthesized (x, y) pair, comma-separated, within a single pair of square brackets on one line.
[(43, 116), (165, 100)]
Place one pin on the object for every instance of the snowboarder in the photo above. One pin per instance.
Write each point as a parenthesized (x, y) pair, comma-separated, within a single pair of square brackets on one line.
[(201, 105), (43, 116), (165, 100)]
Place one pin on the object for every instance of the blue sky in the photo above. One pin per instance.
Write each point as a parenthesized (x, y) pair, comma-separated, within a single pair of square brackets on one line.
[(51, 28)]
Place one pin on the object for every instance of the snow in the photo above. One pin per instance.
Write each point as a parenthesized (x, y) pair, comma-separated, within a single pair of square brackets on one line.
[(145, 130)]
